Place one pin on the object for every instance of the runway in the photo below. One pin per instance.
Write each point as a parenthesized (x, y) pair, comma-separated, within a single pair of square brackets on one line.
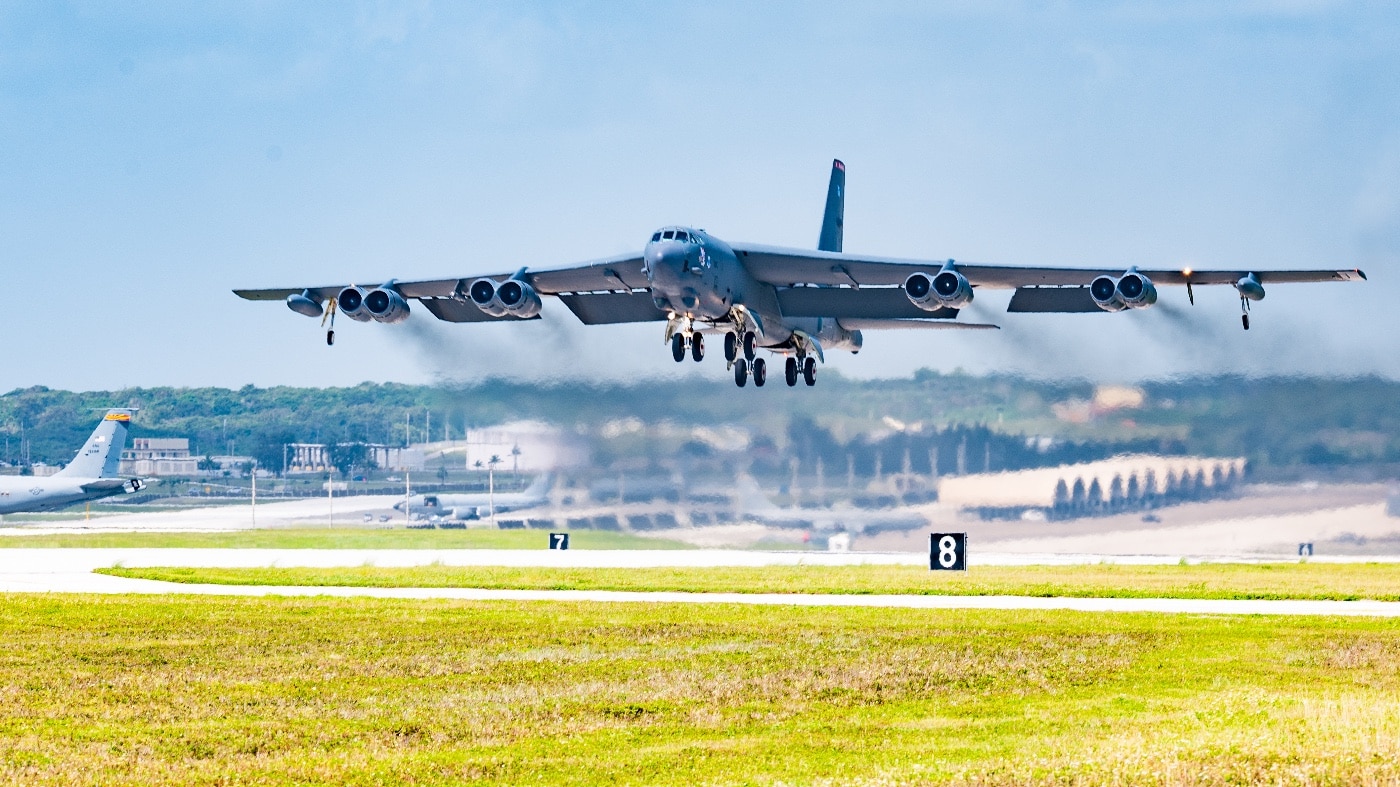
[(70, 571)]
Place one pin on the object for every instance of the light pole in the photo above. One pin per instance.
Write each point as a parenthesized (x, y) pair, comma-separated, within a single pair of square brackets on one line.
[(253, 476)]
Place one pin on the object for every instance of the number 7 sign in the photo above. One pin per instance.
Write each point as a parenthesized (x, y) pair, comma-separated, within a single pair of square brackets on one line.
[(947, 551)]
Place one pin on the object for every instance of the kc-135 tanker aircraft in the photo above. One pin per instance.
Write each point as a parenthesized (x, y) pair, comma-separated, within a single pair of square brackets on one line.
[(792, 302), (92, 475)]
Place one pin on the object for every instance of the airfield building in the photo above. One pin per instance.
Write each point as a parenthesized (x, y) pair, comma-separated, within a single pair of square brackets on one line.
[(1123, 483)]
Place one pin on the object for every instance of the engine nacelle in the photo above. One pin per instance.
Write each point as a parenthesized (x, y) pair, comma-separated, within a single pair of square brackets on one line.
[(301, 303), (518, 298), (952, 289), (386, 305), (946, 289), (351, 303), (483, 294), (1136, 291), (1104, 291)]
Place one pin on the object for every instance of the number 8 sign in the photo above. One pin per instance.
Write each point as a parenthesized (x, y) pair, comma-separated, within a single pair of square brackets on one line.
[(947, 551)]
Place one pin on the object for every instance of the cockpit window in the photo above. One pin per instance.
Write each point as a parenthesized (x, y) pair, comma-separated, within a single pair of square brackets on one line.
[(682, 236), (668, 234), (655, 236)]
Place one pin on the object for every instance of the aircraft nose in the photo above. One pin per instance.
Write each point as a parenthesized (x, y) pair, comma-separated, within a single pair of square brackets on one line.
[(666, 258)]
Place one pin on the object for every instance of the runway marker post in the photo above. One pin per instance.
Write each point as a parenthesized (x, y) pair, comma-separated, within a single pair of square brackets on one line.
[(947, 551)]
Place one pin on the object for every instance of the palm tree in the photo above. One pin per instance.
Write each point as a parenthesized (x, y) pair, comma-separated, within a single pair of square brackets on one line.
[(491, 485)]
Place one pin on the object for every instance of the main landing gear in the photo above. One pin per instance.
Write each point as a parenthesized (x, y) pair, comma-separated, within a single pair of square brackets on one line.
[(1244, 311), (743, 370), (804, 366), (733, 342), (696, 344)]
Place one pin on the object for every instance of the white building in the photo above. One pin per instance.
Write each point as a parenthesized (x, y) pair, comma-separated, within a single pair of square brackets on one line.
[(159, 456)]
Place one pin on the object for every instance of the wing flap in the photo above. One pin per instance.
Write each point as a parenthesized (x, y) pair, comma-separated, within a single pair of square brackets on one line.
[(453, 310), (1046, 300), (613, 308), (849, 302), (914, 325)]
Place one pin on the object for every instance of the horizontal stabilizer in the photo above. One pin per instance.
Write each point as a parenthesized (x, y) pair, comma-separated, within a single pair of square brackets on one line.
[(1064, 300), (859, 324)]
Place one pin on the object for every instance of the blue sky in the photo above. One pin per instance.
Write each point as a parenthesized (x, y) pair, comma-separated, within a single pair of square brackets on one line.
[(153, 158)]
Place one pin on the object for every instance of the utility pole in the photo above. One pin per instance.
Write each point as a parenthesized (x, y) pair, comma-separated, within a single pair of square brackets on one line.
[(253, 473), (407, 498), (330, 498)]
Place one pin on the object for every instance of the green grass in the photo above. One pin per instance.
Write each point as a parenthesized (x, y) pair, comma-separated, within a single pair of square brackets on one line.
[(1380, 581), (344, 538), (182, 690)]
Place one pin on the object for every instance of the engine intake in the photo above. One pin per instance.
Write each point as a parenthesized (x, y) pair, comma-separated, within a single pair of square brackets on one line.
[(483, 294), (511, 297), (1104, 291), (518, 298), (1136, 291), (947, 289), (351, 303), (386, 305)]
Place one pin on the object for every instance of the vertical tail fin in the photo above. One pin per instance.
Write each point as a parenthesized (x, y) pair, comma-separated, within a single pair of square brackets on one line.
[(102, 452), (541, 486), (834, 220)]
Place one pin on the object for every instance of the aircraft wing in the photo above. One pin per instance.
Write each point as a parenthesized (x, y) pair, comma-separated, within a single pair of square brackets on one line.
[(608, 290), (793, 267)]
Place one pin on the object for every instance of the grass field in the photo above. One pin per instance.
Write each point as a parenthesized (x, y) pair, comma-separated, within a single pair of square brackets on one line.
[(132, 690), (1379, 581), (343, 538)]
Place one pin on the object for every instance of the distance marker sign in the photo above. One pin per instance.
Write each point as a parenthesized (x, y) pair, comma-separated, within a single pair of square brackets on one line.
[(947, 551)]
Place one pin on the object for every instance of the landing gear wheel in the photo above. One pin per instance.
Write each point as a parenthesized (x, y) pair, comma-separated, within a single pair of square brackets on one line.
[(749, 339), (809, 371), (678, 347), (741, 372), (760, 372), (1245, 318), (330, 337), (697, 347), (790, 371), (731, 347)]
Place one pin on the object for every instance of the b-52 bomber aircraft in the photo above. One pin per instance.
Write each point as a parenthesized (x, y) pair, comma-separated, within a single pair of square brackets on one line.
[(792, 302)]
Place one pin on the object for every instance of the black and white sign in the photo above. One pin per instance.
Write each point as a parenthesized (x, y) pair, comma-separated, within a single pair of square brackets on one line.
[(1305, 549), (558, 540), (947, 551)]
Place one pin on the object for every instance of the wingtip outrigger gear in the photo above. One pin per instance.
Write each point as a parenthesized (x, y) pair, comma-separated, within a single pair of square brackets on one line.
[(329, 315)]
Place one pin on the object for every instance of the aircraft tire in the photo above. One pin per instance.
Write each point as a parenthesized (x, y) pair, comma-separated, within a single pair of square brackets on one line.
[(790, 371), (697, 347), (330, 338), (731, 347), (760, 372), (809, 371), (678, 347), (749, 339), (741, 372)]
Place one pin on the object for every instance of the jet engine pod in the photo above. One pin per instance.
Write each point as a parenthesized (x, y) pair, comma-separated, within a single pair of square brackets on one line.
[(1104, 291), (351, 303), (518, 298), (946, 289), (386, 305), (1136, 291), (302, 304), (483, 294), (919, 289), (952, 289)]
